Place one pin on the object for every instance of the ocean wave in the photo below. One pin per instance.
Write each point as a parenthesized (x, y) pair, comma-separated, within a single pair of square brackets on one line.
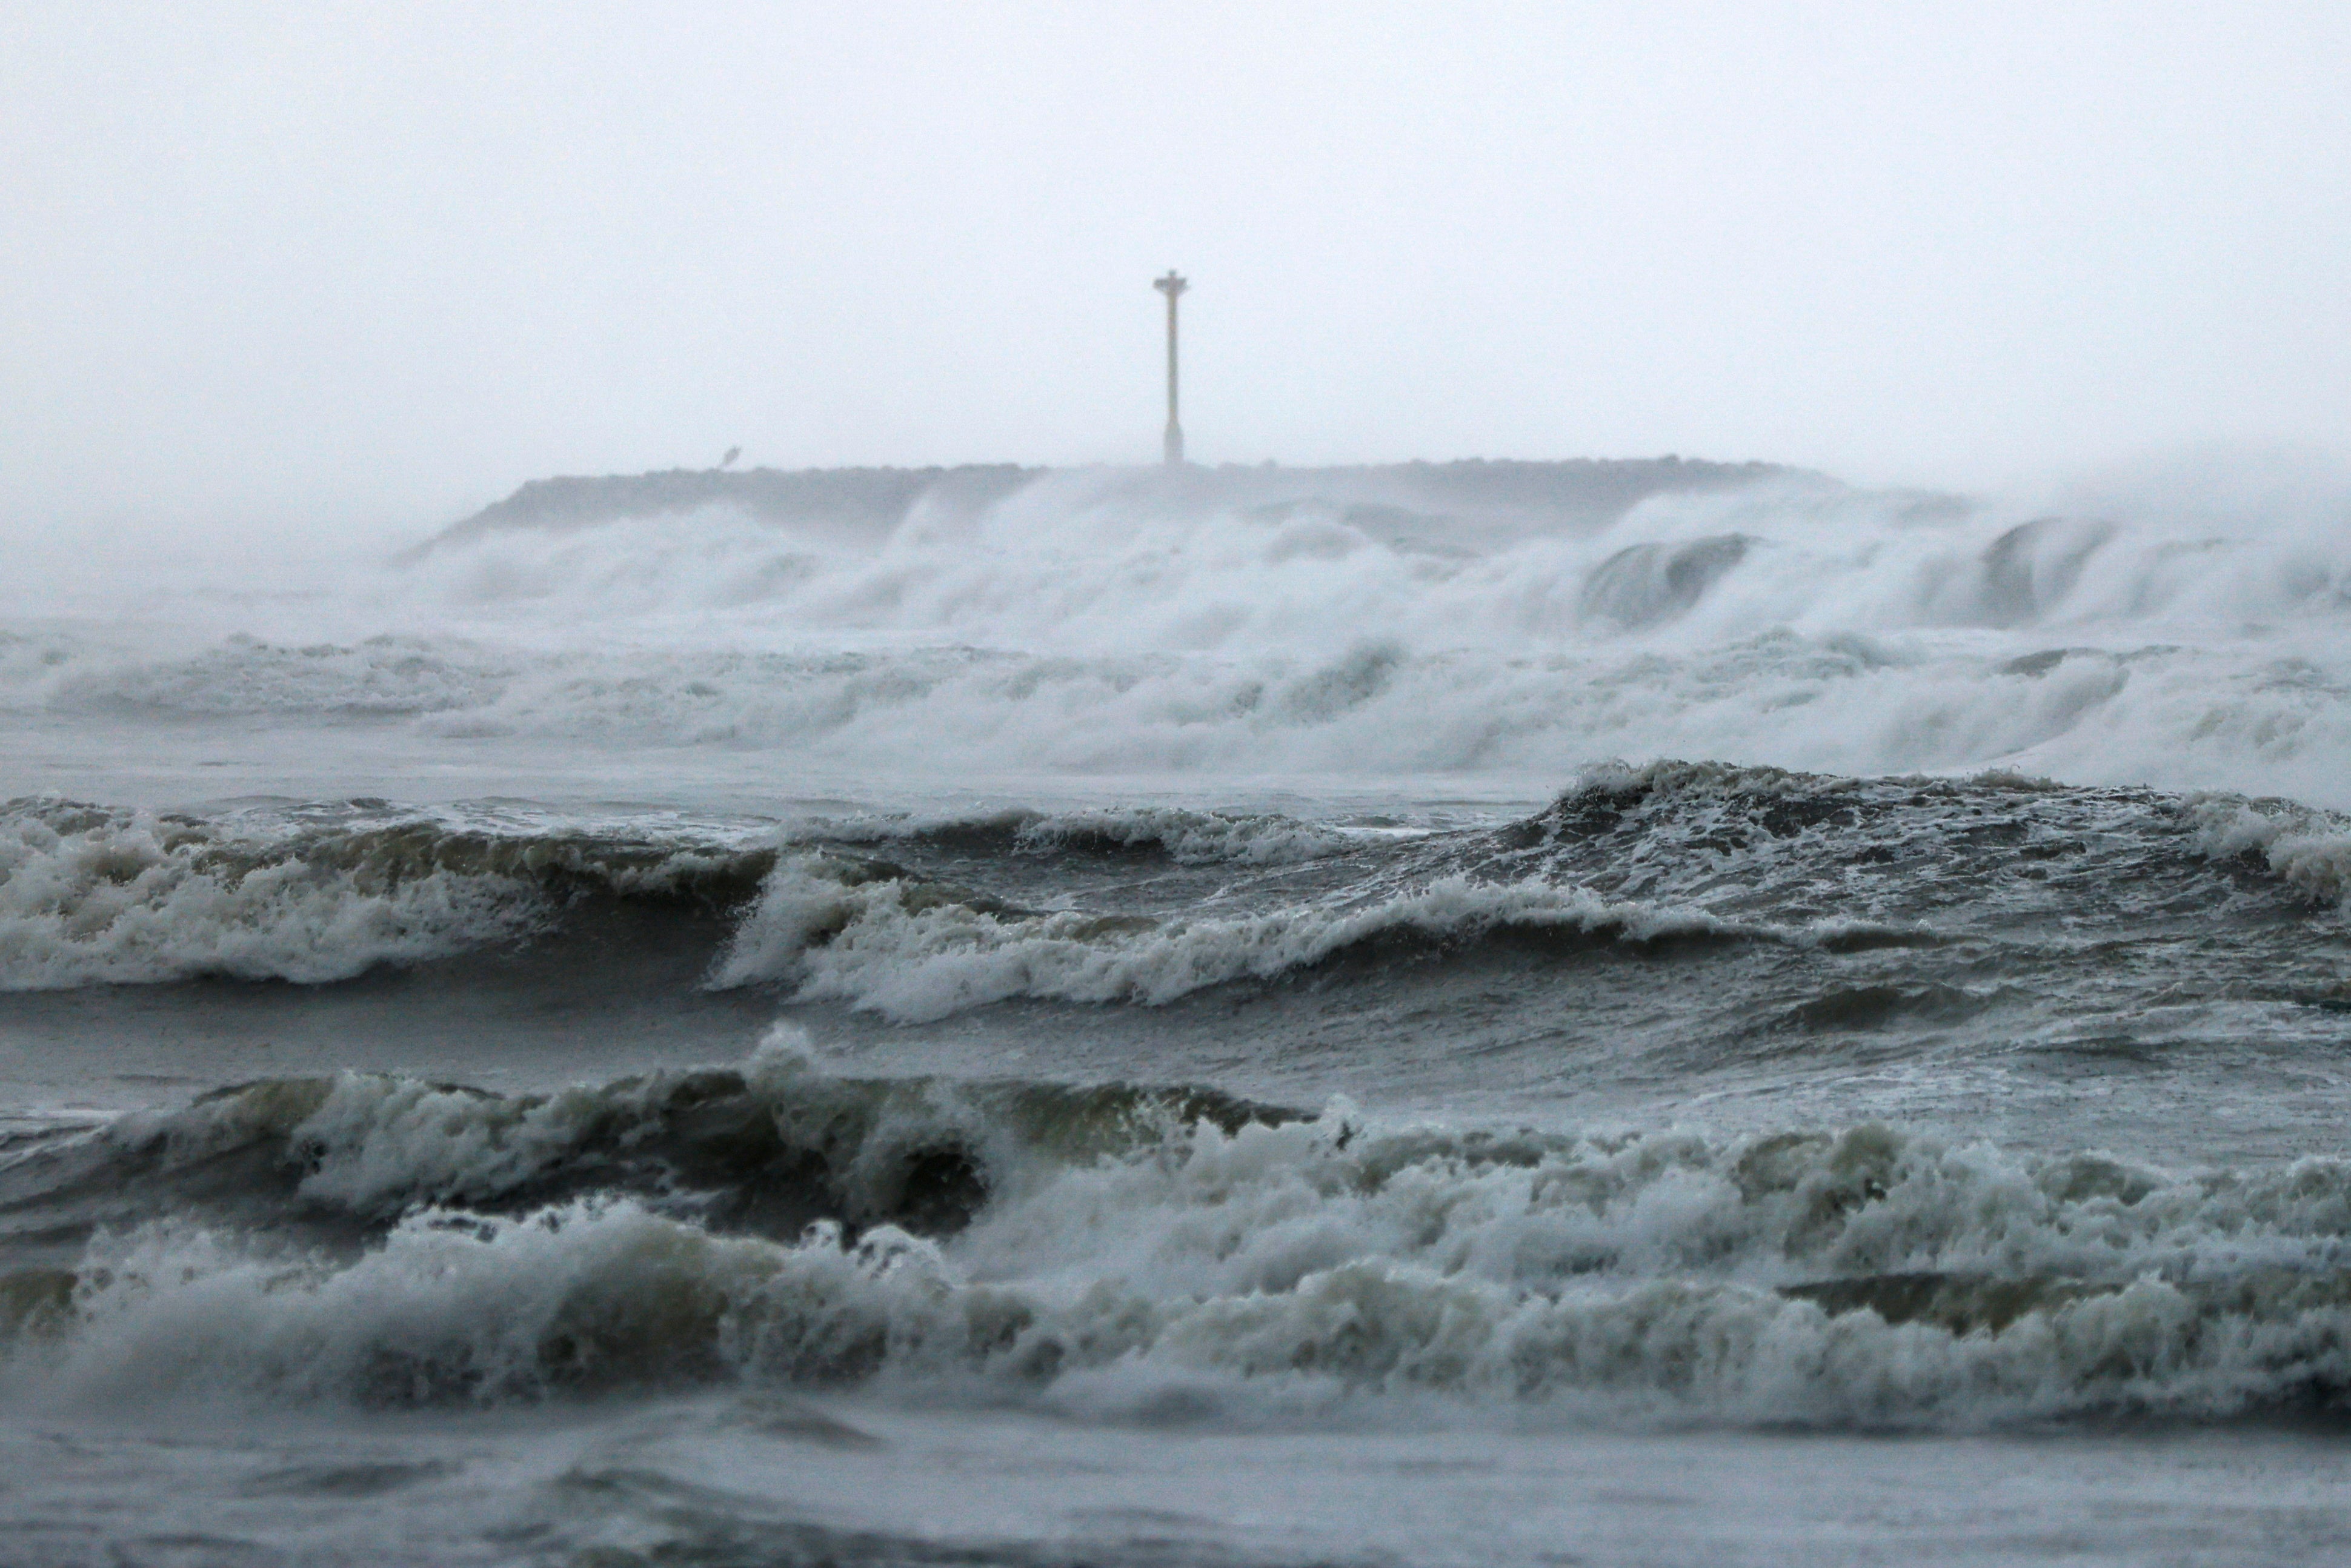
[(2261, 719), (1184, 836), (768, 1148), (917, 916), (92, 895), (1095, 624), (384, 674), (33, 662), (1970, 854), (1652, 858), (2311, 850), (88, 897), (1869, 1277), (1085, 560), (96, 895), (914, 950)]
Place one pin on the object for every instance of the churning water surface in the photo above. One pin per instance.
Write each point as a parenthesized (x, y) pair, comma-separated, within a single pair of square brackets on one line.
[(1228, 1022)]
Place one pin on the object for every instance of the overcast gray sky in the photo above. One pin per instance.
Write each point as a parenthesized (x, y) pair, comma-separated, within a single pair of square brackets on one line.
[(383, 261)]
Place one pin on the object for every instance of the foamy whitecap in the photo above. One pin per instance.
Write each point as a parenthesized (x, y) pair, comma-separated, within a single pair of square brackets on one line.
[(90, 895), (910, 953), (1089, 625), (95, 897), (2312, 850), (1869, 1277)]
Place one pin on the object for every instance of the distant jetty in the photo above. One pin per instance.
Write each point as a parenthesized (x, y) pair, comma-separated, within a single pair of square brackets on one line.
[(1589, 490)]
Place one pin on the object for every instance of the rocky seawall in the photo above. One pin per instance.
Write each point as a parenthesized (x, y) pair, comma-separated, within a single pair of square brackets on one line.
[(1583, 489)]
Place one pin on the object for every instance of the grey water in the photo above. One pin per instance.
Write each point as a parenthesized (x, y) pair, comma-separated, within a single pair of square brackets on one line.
[(1095, 1024)]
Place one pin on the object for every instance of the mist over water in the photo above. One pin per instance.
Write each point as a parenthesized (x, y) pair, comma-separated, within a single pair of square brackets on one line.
[(1784, 1006), (2180, 631), (636, 1028)]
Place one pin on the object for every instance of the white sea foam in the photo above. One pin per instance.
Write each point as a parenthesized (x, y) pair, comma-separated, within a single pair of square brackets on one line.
[(32, 664), (92, 895), (92, 898), (1614, 1276), (911, 952), (1089, 563), (2312, 850), (374, 1144), (1085, 627), (381, 674)]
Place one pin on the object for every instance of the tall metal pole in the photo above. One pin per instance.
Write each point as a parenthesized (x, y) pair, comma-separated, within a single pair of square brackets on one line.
[(1172, 286)]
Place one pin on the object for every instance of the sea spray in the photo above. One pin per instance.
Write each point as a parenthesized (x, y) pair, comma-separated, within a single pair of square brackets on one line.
[(1865, 1277)]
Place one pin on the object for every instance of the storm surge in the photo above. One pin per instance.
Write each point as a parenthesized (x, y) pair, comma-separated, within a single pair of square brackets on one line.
[(642, 1025), (1318, 625), (1657, 1050)]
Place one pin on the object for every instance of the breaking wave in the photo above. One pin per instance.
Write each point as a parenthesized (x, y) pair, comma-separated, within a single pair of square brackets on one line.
[(1087, 624), (912, 952), (2311, 850), (918, 916), (91, 896), (1653, 859), (1114, 1251)]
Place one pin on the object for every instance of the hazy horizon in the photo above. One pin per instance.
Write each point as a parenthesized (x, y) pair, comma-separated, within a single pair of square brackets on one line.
[(1129, 1016), (280, 267)]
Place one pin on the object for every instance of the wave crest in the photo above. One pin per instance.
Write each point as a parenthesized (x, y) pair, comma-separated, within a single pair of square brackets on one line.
[(914, 951), (94, 895), (1864, 1278)]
